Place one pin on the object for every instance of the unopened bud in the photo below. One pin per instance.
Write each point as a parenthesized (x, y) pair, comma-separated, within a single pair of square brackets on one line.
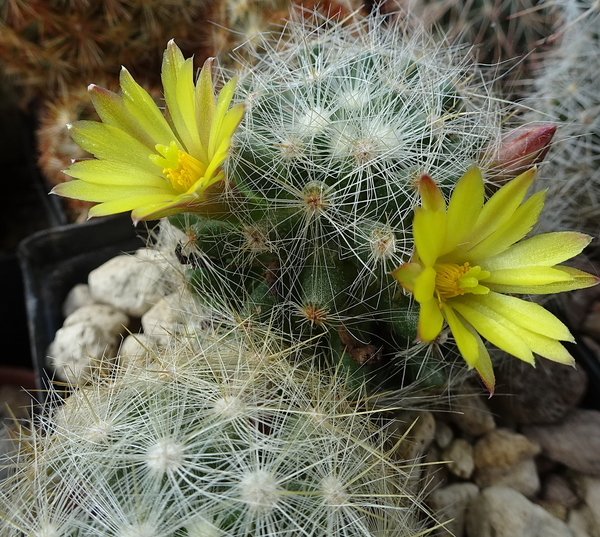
[(521, 149)]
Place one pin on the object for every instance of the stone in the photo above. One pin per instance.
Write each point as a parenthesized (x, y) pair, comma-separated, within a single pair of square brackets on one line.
[(78, 350), (503, 449), (113, 321), (522, 477), (460, 455), (435, 473), (541, 395), (591, 325), (449, 504), (78, 296), (581, 522), (131, 283), (419, 431), (472, 415), (136, 348), (443, 434), (588, 489), (575, 442), (557, 489), (502, 512)]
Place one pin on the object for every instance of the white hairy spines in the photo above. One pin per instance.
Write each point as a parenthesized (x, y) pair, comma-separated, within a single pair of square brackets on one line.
[(364, 108), (267, 449)]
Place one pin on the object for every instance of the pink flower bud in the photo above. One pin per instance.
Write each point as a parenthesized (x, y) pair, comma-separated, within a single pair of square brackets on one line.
[(522, 148)]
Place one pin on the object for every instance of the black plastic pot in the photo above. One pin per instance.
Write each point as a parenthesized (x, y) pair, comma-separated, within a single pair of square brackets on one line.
[(54, 260)]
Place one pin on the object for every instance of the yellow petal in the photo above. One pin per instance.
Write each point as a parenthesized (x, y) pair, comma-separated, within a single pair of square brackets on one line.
[(545, 346), (513, 230), (577, 280), (430, 321), (142, 106), (465, 339), (124, 204), (109, 143), (223, 101), (498, 330), (501, 206), (107, 172), (406, 275), (528, 315), (205, 106), (183, 203), (471, 347), (431, 197), (542, 250), (526, 276), (425, 285), (112, 111), (429, 229), (92, 192), (464, 208), (178, 85)]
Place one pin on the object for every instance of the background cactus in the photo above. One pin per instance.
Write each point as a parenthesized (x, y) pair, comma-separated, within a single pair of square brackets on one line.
[(341, 121), (508, 34), (232, 441), (566, 91)]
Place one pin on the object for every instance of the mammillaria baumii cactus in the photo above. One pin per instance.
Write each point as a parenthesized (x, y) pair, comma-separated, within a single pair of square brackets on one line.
[(332, 197)]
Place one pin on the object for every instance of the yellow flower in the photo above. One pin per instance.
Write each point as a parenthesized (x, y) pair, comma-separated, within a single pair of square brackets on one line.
[(146, 163), (469, 259)]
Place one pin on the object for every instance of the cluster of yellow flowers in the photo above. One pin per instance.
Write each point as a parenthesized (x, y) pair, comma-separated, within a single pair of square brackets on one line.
[(470, 257)]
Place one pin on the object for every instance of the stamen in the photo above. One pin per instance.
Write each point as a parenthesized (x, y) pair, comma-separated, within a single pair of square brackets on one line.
[(453, 280), (188, 171)]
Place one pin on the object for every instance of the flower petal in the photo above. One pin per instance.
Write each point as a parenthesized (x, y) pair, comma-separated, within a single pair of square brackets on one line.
[(431, 321), (142, 106), (92, 192), (526, 276), (406, 275), (205, 101), (465, 339), (471, 347), (125, 204), (429, 231), (528, 315), (464, 208), (107, 172), (155, 211), (110, 143), (513, 230), (431, 197), (425, 285), (112, 111), (497, 329), (501, 206), (577, 280), (178, 85), (542, 250), (546, 347)]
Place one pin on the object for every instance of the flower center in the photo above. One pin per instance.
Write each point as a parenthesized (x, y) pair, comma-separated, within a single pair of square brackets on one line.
[(453, 280), (186, 173)]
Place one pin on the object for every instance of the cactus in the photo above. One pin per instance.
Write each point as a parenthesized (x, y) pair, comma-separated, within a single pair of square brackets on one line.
[(231, 441), (566, 91), (499, 32), (341, 121)]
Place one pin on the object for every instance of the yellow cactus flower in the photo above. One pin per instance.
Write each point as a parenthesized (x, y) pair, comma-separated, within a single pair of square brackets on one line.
[(469, 260), (149, 164)]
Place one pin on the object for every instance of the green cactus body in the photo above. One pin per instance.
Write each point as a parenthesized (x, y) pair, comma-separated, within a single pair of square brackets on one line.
[(340, 123)]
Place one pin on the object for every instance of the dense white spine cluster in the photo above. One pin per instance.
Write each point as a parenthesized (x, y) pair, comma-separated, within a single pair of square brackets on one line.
[(258, 448), (342, 118)]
